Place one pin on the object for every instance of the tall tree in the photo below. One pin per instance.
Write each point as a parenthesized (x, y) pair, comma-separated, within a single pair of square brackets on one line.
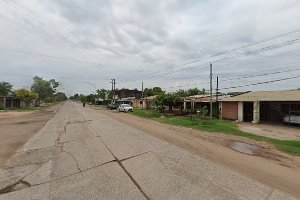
[(45, 89), (101, 93), (152, 91), (5, 88)]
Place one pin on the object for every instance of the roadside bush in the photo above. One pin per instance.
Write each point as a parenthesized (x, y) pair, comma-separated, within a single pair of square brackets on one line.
[(202, 113)]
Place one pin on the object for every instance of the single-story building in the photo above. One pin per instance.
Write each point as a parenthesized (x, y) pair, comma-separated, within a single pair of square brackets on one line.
[(265, 107), (9, 102), (147, 102), (196, 102), (129, 100)]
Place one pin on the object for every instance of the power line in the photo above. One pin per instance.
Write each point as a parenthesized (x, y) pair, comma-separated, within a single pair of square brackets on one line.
[(259, 83), (243, 77), (233, 50), (271, 47)]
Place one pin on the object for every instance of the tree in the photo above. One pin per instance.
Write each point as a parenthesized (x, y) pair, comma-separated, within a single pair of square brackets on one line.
[(102, 93), (5, 88), (45, 89), (91, 98), (152, 91), (181, 93), (82, 98), (171, 99), (60, 96), (76, 97), (26, 95), (160, 100), (166, 99)]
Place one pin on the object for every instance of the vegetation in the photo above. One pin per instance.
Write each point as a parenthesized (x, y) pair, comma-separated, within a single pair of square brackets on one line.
[(219, 126), (5, 89), (165, 99), (190, 92), (45, 89), (152, 91), (26, 95)]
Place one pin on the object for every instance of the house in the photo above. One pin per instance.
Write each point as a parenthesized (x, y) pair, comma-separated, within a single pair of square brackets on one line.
[(265, 107), (9, 102), (129, 100), (196, 102), (147, 102), (126, 93)]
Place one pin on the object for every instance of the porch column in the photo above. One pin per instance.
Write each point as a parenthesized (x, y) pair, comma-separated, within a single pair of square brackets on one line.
[(240, 111), (4, 102), (256, 113), (184, 106)]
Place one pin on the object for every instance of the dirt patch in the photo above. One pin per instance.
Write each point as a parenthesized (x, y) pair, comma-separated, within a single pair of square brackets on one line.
[(4, 115), (268, 165), (17, 128)]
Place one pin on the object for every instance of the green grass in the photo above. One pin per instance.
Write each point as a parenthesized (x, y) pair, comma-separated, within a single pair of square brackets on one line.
[(220, 126)]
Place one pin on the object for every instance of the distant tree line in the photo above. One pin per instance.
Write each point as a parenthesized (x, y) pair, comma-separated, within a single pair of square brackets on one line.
[(41, 90)]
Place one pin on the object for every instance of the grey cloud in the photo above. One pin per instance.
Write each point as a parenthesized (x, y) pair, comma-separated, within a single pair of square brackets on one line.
[(130, 39)]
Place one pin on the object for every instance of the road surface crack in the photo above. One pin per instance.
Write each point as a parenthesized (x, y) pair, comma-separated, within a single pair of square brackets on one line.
[(11, 188), (135, 156), (75, 160), (121, 165)]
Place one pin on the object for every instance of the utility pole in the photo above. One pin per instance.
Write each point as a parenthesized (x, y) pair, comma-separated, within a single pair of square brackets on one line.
[(113, 88), (211, 100), (217, 97), (142, 95)]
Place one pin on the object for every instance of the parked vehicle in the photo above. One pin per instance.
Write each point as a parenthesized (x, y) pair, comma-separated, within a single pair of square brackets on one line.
[(112, 106), (293, 119), (125, 108)]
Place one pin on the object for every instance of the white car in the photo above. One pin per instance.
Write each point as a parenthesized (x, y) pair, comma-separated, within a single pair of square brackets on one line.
[(291, 119), (125, 108)]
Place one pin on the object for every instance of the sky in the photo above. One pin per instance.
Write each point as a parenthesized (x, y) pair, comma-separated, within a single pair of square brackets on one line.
[(83, 44)]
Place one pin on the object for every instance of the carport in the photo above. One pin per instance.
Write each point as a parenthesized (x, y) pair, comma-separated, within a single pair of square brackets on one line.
[(265, 107)]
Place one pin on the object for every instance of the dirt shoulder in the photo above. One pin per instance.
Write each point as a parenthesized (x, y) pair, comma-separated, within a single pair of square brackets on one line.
[(269, 166), (16, 128)]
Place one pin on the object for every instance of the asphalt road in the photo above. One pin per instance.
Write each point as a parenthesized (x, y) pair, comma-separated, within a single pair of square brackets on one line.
[(84, 154)]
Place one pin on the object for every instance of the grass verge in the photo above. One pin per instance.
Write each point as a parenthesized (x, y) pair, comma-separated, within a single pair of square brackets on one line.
[(220, 126)]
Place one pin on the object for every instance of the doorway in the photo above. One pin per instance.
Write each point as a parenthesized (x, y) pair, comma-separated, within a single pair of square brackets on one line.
[(248, 111)]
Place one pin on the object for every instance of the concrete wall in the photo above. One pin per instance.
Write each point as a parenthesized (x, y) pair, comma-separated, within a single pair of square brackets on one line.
[(240, 111), (256, 112)]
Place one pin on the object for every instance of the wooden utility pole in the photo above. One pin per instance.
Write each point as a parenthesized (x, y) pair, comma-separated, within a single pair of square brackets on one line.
[(142, 95), (217, 97), (211, 100), (112, 90)]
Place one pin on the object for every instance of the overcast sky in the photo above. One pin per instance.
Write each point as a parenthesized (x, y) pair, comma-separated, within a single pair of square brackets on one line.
[(85, 43)]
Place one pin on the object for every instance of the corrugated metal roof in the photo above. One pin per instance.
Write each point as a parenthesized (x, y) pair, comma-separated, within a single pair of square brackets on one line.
[(285, 95), (149, 98)]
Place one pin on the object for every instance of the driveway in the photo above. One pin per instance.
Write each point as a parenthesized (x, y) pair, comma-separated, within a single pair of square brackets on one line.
[(281, 132), (84, 154)]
